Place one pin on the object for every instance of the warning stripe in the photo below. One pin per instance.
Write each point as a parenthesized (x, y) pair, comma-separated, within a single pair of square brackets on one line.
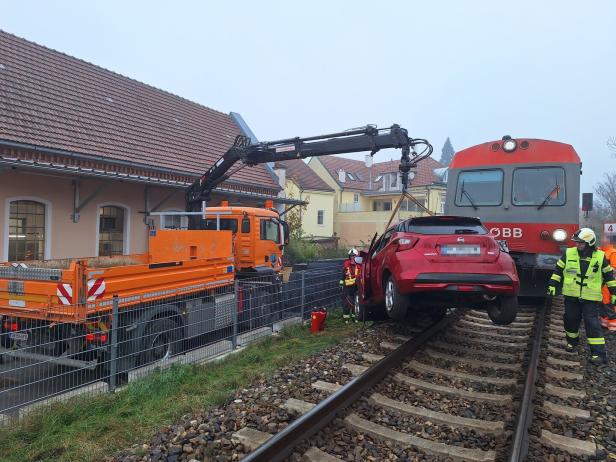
[(65, 294), (96, 289)]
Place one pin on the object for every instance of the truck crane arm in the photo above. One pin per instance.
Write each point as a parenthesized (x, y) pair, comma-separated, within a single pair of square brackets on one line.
[(368, 138)]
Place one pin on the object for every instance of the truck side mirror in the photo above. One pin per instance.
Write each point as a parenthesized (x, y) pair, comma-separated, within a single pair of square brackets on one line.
[(285, 232)]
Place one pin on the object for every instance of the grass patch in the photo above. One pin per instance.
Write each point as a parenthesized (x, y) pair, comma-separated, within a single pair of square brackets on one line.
[(88, 428)]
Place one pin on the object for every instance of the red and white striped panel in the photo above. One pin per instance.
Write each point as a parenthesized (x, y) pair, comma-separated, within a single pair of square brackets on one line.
[(96, 289), (65, 294)]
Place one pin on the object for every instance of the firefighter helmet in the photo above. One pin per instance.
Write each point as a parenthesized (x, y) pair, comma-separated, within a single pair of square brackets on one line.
[(586, 235), (353, 252)]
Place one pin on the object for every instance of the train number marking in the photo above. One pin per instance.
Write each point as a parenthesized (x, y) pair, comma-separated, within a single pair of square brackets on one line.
[(516, 233)]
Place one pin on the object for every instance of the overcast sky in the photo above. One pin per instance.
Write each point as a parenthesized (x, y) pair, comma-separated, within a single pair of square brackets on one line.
[(471, 70)]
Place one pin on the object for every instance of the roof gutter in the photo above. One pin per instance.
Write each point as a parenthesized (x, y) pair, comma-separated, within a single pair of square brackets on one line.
[(107, 160)]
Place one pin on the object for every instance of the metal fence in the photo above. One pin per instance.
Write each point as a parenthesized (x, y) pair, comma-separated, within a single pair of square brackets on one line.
[(43, 361)]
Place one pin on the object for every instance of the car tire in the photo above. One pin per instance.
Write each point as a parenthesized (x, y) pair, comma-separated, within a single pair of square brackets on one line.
[(359, 308), (504, 310), (396, 304)]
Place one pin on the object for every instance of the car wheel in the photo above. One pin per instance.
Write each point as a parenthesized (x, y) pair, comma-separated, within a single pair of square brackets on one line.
[(396, 304), (161, 341), (359, 308), (504, 310)]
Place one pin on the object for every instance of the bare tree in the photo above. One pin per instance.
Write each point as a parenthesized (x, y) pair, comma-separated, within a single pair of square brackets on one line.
[(606, 197), (611, 144)]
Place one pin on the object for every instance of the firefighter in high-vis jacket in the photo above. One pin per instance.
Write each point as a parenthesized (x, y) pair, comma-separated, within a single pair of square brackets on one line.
[(350, 278), (580, 273)]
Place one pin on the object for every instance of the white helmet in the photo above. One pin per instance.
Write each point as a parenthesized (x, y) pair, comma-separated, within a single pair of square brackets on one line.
[(586, 235), (353, 252)]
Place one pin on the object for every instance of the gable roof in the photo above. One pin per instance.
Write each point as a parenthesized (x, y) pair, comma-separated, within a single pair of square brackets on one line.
[(51, 100), (424, 173), (302, 175)]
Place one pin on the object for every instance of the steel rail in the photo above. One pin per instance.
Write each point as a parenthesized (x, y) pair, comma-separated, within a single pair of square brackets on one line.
[(519, 448), (282, 444)]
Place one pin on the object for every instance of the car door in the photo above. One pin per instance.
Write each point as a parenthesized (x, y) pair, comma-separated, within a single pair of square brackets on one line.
[(378, 259)]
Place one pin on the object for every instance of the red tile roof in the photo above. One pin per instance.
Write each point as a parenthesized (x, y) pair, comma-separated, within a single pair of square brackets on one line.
[(53, 100), (424, 173), (302, 175)]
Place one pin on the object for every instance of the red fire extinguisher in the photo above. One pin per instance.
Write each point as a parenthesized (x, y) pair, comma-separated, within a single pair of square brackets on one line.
[(317, 323)]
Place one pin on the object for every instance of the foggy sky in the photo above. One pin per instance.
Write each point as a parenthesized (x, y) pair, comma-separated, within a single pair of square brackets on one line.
[(471, 70)]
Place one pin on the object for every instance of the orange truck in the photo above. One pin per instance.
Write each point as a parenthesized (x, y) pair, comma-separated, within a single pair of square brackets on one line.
[(61, 310)]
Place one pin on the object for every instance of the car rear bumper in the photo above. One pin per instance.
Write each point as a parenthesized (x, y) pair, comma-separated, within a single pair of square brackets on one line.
[(460, 282)]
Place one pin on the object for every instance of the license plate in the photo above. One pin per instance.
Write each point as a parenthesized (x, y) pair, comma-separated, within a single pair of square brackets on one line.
[(460, 250), (19, 336)]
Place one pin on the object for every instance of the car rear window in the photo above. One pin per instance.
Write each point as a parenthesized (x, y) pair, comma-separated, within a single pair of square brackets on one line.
[(443, 226)]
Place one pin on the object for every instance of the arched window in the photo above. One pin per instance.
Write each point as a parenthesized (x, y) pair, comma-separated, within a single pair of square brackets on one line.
[(26, 230), (111, 230)]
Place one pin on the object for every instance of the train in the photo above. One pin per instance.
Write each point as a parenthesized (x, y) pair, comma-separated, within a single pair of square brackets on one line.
[(527, 193)]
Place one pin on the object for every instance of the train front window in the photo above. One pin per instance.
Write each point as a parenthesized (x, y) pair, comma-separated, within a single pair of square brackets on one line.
[(479, 187), (541, 187)]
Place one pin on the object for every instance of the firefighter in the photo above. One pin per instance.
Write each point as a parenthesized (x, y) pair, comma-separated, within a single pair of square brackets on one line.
[(350, 276), (608, 315), (580, 273)]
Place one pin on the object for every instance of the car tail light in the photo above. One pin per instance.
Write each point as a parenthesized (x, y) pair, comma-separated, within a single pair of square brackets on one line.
[(11, 326), (97, 337), (492, 248), (406, 243)]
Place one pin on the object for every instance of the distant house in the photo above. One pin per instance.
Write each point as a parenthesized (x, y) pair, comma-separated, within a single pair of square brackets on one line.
[(366, 196), (85, 151), (302, 183)]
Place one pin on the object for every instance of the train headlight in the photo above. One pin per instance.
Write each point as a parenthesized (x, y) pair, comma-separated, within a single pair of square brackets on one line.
[(559, 235), (509, 144)]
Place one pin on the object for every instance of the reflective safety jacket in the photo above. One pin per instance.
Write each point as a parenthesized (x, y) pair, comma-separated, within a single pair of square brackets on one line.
[(350, 273), (583, 277)]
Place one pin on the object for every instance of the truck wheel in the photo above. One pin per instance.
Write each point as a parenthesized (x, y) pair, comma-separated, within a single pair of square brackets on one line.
[(161, 341), (504, 310), (396, 304)]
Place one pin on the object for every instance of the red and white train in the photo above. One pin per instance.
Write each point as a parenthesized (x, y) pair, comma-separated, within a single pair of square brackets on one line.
[(527, 192)]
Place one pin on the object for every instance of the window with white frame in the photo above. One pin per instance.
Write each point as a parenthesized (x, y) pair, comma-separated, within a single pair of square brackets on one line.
[(356, 198), (321, 217), (111, 230), (26, 230)]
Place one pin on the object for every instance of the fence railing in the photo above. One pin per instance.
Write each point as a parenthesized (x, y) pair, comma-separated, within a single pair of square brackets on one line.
[(43, 361)]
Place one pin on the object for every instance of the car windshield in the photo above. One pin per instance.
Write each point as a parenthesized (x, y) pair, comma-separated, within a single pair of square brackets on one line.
[(443, 225), (479, 187), (539, 186)]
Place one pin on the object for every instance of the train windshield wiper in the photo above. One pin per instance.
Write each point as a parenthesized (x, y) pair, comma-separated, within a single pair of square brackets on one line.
[(556, 188), (470, 199)]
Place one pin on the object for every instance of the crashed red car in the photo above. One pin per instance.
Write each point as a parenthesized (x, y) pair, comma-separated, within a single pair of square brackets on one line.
[(434, 263)]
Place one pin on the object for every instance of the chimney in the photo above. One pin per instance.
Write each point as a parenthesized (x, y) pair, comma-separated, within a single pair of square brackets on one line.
[(341, 176)]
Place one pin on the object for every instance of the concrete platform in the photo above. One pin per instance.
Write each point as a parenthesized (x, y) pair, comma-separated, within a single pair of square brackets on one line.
[(253, 335), (280, 325)]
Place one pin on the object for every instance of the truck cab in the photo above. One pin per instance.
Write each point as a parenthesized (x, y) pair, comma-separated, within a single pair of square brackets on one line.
[(259, 237)]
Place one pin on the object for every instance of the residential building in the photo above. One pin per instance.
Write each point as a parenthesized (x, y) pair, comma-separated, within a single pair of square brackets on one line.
[(85, 152), (302, 183), (367, 193)]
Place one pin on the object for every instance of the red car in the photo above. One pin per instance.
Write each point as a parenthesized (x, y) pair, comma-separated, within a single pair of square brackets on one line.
[(438, 262)]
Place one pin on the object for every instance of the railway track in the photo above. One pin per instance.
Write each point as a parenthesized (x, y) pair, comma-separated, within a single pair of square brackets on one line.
[(463, 389)]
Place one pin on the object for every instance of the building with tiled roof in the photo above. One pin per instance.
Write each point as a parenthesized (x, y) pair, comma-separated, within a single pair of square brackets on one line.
[(366, 194), (302, 183), (85, 151)]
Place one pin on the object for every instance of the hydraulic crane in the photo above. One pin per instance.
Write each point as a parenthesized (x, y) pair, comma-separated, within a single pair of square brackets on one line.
[(368, 138)]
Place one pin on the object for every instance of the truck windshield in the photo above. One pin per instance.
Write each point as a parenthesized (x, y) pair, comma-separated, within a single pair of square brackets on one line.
[(479, 187), (226, 224), (539, 186)]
